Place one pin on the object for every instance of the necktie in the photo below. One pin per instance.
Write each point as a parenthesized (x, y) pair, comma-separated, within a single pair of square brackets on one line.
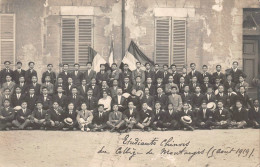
[(100, 115), (74, 97), (204, 113), (165, 74)]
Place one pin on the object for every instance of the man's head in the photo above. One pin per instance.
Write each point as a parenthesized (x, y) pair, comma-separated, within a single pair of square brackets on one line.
[(115, 107), (220, 104), (90, 92), (170, 79), (130, 105), (256, 103), (197, 89), (119, 91), (76, 66), (8, 78), (126, 80), (165, 67), (60, 80), (242, 89), (235, 64), (147, 66), (159, 80), (229, 77), (149, 80), (49, 67), (93, 81), (31, 65), (84, 82), (146, 91), (157, 105), (192, 66), (7, 64), (39, 105), (218, 68), (186, 88), (101, 108), (31, 91), (238, 104), (221, 88), (47, 78), (55, 105), (44, 90), (173, 67), (34, 79), (83, 106), (174, 90), (138, 79), (21, 79), (194, 79), (115, 82), (204, 68), (18, 90), (65, 67), (206, 79), (126, 67), (70, 106), (59, 89), (74, 90), (182, 80), (138, 64), (156, 67), (70, 80), (114, 66), (144, 106), (170, 106), (6, 103), (241, 78), (24, 105), (186, 106), (19, 65), (159, 90), (209, 90), (204, 105), (89, 65)]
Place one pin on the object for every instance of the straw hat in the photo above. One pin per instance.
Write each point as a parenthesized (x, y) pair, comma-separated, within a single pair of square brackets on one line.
[(68, 121), (186, 119)]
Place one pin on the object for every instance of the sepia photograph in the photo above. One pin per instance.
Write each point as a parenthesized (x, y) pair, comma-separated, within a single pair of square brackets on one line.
[(129, 83)]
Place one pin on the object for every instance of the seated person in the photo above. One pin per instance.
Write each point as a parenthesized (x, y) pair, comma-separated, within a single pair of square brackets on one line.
[(55, 117), (204, 117), (221, 116), (7, 115), (100, 118), (170, 120), (85, 118), (254, 115), (23, 117), (185, 122), (239, 118), (115, 120), (131, 117), (70, 115), (39, 116), (146, 118), (158, 116)]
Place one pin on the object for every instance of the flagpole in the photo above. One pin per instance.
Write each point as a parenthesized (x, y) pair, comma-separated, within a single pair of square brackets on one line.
[(123, 28)]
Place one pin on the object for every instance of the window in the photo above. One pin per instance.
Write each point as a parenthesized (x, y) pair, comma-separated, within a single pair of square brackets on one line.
[(170, 41), (7, 38), (76, 37)]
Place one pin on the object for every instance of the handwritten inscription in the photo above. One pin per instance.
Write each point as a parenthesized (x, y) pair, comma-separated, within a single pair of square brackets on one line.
[(132, 147)]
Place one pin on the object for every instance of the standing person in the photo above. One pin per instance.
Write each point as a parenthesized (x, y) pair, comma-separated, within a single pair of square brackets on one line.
[(218, 74), (38, 117), (54, 120), (138, 72), (8, 84), (89, 73), (85, 118), (23, 117), (6, 71), (242, 82), (30, 73), (165, 74), (115, 121), (148, 72), (228, 83), (102, 75), (194, 72), (76, 75), (35, 85), (176, 76), (95, 88), (7, 115), (204, 74), (235, 72), (18, 72), (114, 74), (70, 118), (64, 74), (50, 73), (100, 118)]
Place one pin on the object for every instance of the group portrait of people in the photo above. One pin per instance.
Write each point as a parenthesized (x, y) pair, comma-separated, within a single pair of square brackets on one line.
[(118, 100)]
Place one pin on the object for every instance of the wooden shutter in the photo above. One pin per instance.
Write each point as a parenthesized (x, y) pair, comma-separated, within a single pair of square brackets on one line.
[(179, 43), (7, 38), (68, 42), (162, 40), (85, 39)]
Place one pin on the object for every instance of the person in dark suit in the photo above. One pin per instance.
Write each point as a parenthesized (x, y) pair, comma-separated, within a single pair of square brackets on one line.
[(95, 88), (127, 86), (55, 117), (138, 72), (204, 74), (23, 117), (113, 74), (71, 113), (126, 72), (193, 84), (17, 98), (239, 117), (210, 96), (61, 98), (38, 117), (50, 73), (161, 98), (5, 72), (146, 118), (69, 86), (176, 76), (100, 118), (115, 119), (150, 86), (158, 117), (7, 115), (147, 98), (31, 98), (228, 83), (75, 98), (113, 89), (171, 118), (18, 72), (138, 85), (185, 75), (204, 118), (187, 112), (102, 75), (254, 115), (197, 98), (165, 74), (91, 101), (235, 72), (83, 88), (181, 84), (186, 96), (159, 83), (64, 74), (30, 73), (22, 85), (131, 117), (243, 97), (221, 117), (59, 83), (149, 73), (157, 73), (76, 75), (119, 100), (194, 72), (218, 74), (35, 85), (45, 99), (4, 96), (221, 96), (205, 85), (89, 73), (231, 98)]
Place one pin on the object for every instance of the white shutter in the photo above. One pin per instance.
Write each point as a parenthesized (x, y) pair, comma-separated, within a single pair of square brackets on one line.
[(179, 43), (85, 39), (68, 41), (162, 40), (7, 38)]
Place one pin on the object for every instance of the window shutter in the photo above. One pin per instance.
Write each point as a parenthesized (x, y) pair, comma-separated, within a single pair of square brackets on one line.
[(162, 40), (7, 38), (179, 43), (85, 39), (68, 41)]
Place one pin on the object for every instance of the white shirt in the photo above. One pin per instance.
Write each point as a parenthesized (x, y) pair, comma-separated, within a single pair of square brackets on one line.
[(18, 95), (131, 111), (204, 113), (220, 110), (119, 99)]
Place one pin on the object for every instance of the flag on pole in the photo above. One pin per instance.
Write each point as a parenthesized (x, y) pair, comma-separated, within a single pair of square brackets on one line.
[(96, 59), (111, 54), (133, 55)]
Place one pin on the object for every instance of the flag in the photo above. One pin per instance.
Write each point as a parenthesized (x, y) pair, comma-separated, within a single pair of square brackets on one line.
[(133, 55), (96, 59), (111, 54)]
